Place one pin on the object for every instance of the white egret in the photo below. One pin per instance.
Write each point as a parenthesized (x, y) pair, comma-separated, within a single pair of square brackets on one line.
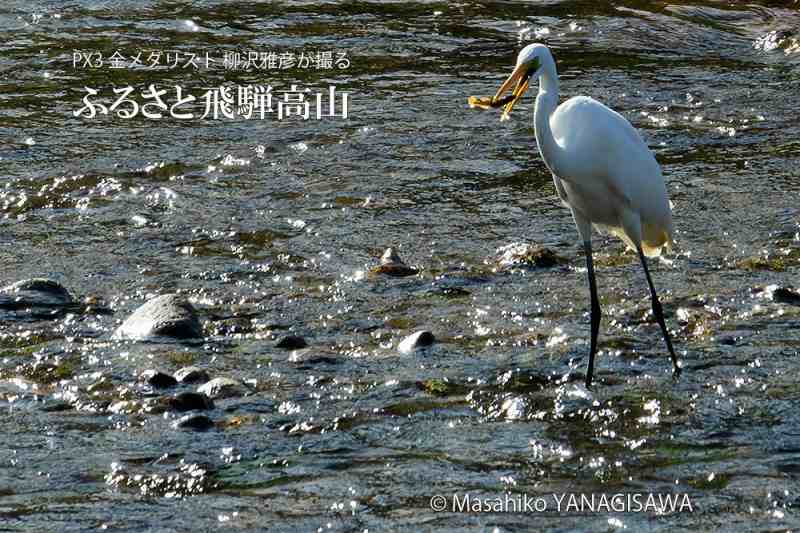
[(602, 170)]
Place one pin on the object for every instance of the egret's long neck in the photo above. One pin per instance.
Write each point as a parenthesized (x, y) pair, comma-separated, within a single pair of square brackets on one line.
[(546, 102)]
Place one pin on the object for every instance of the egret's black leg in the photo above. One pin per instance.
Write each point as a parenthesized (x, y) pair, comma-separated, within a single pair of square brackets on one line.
[(659, 314), (595, 311)]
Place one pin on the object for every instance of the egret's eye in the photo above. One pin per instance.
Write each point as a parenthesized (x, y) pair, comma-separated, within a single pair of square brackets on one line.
[(529, 73)]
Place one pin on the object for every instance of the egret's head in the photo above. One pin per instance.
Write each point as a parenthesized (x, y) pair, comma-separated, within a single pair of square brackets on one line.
[(529, 61), (532, 56)]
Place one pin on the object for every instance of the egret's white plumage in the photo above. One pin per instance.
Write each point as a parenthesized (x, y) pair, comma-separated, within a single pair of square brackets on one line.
[(610, 162), (602, 170)]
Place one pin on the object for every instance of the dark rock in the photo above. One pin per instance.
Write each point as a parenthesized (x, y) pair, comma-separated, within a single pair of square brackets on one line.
[(255, 406), (415, 341), (56, 406), (450, 292), (729, 340), (157, 379), (291, 342), (190, 401), (35, 292), (397, 270), (787, 295), (168, 315), (196, 422), (222, 388), (393, 265), (192, 374)]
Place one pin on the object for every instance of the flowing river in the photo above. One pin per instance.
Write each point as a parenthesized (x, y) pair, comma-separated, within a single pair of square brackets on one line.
[(272, 228)]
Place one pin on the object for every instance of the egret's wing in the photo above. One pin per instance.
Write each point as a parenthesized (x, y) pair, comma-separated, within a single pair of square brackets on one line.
[(611, 162)]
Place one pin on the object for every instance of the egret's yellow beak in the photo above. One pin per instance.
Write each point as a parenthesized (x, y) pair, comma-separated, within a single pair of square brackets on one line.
[(521, 76)]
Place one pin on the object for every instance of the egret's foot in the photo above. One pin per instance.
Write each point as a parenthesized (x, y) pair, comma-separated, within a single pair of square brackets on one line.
[(676, 373)]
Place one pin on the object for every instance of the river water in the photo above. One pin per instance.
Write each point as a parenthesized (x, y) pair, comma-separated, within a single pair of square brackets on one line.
[(272, 226)]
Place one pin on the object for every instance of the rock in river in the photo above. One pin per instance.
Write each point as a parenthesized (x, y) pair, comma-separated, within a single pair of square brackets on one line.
[(196, 422), (787, 295), (291, 342), (168, 315), (308, 357), (415, 341), (157, 379), (222, 388), (189, 401), (192, 374), (531, 255), (35, 292), (392, 265)]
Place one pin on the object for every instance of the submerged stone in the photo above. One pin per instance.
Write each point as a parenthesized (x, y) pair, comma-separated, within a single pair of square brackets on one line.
[(35, 292), (730, 339), (442, 387), (47, 372), (196, 422), (314, 356), (168, 315), (572, 399), (240, 420), (416, 341), (232, 326), (191, 375), (696, 322), (158, 379), (56, 406), (125, 407), (291, 342), (521, 254), (773, 263)]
